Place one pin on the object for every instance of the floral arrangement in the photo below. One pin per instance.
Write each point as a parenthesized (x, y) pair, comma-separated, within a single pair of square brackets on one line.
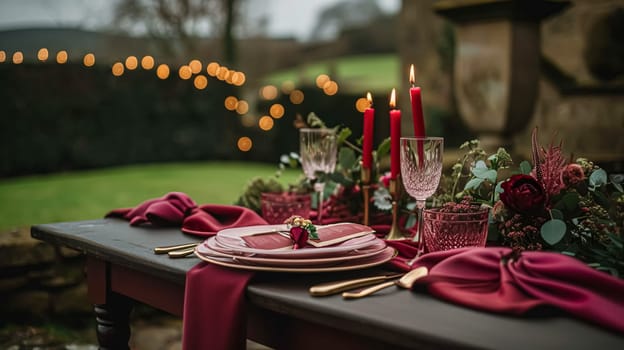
[(555, 203), (572, 207), (300, 230)]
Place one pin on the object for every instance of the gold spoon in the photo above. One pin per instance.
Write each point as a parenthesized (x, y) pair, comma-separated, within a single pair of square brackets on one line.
[(340, 286), (407, 281)]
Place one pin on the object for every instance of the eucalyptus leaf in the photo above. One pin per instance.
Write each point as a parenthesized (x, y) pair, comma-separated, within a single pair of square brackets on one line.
[(557, 214), (343, 135), (480, 165), (347, 158), (525, 167), (384, 148), (411, 221), (553, 231), (487, 174), (499, 187), (473, 184), (598, 178), (618, 186)]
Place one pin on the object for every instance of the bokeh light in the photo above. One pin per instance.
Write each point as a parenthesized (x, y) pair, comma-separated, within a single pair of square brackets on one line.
[(266, 123), (212, 68), (185, 72), (238, 78), (222, 72), (147, 62), (361, 104), (321, 80), (200, 82), (132, 62), (196, 66), (230, 103), (18, 57), (296, 97), (89, 60), (330, 88), (61, 57), (276, 111), (163, 71), (244, 144), (2, 56), (118, 69), (268, 92), (43, 54), (242, 107)]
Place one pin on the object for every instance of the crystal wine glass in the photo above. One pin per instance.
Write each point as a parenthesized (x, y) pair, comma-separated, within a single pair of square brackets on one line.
[(421, 169), (318, 148)]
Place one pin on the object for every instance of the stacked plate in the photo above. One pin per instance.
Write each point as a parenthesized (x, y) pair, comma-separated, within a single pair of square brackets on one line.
[(342, 246)]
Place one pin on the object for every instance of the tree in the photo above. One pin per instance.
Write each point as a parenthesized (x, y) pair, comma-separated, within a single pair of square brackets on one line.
[(178, 24)]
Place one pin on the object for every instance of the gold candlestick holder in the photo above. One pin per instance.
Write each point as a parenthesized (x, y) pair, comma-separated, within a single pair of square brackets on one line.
[(365, 177), (395, 191)]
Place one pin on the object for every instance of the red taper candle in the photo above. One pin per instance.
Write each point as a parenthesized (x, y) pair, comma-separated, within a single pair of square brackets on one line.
[(395, 136), (417, 110), (367, 138)]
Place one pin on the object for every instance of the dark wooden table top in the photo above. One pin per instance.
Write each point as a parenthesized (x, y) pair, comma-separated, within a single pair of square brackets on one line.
[(398, 316)]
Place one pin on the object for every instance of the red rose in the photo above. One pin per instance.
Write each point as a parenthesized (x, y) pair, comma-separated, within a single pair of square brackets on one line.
[(523, 194), (572, 174), (299, 235)]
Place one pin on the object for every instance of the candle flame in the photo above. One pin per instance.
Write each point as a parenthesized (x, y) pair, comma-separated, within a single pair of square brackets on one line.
[(369, 97), (412, 77), (393, 99)]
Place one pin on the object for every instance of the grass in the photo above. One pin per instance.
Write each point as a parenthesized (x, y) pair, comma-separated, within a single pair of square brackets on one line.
[(88, 195), (353, 73)]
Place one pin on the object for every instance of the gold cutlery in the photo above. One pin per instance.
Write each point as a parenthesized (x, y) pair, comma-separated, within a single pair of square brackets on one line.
[(407, 281), (171, 248), (181, 253), (340, 286)]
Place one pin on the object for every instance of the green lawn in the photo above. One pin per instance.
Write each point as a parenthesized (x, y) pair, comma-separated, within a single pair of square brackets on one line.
[(375, 73), (90, 194)]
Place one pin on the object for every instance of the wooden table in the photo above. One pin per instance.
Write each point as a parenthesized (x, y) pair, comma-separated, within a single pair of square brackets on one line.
[(122, 270)]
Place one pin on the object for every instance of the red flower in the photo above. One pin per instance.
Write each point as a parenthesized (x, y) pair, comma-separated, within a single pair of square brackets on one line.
[(572, 174), (523, 194), (299, 235)]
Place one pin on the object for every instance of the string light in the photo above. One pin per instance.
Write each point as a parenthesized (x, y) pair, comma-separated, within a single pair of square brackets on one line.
[(132, 63), (42, 54), (147, 62), (162, 72), (61, 57), (244, 144), (18, 57), (89, 60)]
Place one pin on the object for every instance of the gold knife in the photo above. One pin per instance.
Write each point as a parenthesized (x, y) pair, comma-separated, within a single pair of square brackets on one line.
[(340, 286), (170, 248), (181, 253)]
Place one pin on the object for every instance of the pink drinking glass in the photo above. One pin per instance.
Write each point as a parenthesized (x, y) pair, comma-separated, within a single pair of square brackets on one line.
[(444, 231), (277, 207)]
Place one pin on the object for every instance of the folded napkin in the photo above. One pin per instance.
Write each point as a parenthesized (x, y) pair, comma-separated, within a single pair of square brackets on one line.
[(214, 315), (492, 279), (214, 308), (169, 210), (208, 219)]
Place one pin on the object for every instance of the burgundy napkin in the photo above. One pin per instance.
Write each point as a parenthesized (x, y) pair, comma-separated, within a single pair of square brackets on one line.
[(214, 308), (168, 210), (208, 219), (490, 279), (214, 314)]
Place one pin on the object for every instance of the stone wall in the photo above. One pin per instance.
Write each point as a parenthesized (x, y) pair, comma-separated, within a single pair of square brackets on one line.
[(40, 282)]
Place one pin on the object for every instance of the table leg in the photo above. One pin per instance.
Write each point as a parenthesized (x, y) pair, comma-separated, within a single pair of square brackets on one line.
[(112, 322)]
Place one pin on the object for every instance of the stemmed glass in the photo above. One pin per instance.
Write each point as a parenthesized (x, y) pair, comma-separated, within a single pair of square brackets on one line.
[(421, 169), (318, 148)]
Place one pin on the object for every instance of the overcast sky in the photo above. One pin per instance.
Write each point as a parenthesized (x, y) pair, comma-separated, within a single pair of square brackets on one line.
[(289, 17)]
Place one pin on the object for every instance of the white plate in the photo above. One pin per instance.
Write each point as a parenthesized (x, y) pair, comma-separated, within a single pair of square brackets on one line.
[(383, 256), (204, 249), (351, 245)]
